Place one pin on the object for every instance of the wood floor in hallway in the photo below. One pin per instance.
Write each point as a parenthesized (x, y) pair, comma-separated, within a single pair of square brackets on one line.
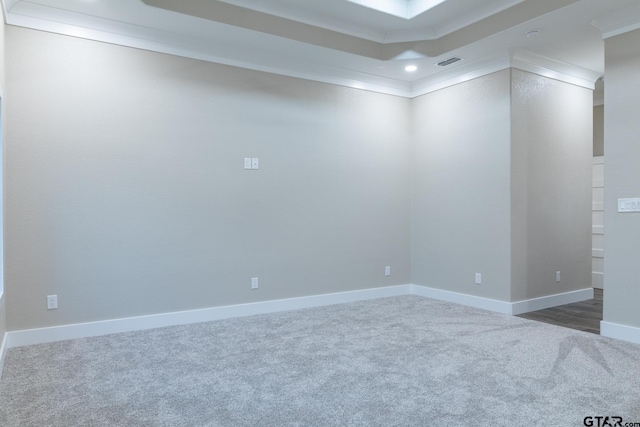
[(583, 316)]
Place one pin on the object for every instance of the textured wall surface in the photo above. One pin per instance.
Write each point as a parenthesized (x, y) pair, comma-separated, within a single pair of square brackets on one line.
[(126, 193), (3, 328), (460, 188), (622, 178), (551, 154), (598, 130)]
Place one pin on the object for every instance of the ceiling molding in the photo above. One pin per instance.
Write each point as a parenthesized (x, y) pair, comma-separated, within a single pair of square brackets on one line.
[(272, 44), (554, 69), (460, 74), (619, 21), (282, 27), (521, 59)]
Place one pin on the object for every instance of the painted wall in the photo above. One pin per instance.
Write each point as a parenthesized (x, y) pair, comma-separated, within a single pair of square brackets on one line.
[(3, 328), (460, 188), (502, 187), (622, 178), (598, 130), (126, 193), (551, 125)]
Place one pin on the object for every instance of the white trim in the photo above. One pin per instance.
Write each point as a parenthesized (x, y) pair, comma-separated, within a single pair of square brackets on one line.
[(324, 74), (620, 332), (463, 299), (513, 308), (619, 21), (597, 279), (158, 42), (3, 352), (7, 5), (460, 74), (91, 329), (548, 67), (549, 301), (597, 253)]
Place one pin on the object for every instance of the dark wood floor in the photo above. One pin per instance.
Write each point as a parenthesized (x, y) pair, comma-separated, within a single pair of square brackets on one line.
[(584, 316)]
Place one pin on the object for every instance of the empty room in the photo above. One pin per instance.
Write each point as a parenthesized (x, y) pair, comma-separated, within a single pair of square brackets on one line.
[(346, 212)]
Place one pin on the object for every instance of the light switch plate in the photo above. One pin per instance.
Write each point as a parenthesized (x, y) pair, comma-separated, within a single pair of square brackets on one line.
[(247, 162), (628, 205)]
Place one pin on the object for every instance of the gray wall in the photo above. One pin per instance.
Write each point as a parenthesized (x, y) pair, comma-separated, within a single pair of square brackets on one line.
[(598, 130), (461, 202), (551, 129), (622, 178), (3, 327), (126, 194), (502, 186)]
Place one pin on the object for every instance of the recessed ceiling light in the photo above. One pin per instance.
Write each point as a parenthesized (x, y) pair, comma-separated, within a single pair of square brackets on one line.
[(532, 34), (410, 68)]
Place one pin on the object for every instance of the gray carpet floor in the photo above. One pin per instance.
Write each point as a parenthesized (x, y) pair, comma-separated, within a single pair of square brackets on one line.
[(401, 361)]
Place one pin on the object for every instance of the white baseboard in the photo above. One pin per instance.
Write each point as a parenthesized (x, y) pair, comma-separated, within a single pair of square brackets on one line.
[(3, 352), (549, 301), (620, 332), (91, 329), (463, 299), (512, 308)]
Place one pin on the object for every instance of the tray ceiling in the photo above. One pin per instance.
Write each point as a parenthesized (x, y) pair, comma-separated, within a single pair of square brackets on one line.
[(353, 42)]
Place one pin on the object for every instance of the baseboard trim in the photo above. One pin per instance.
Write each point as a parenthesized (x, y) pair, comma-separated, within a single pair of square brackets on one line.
[(3, 353), (512, 308), (620, 332), (106, 327), (549, 301), (463, 299)]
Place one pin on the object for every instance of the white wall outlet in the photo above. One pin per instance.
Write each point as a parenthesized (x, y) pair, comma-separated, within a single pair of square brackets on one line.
[(254, 283), (255, 163), (247, 162), (478, 279), (387, 270), (558, 276), (52, 302)]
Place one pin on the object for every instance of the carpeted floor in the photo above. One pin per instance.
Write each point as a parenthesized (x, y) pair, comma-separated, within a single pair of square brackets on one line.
[(401, 361)]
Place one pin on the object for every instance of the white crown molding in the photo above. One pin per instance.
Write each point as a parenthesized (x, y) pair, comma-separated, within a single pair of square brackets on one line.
[(163, 42), (554, 69), (619, 21), (152, 42), (7, 5), (459, 74), (521, 59)]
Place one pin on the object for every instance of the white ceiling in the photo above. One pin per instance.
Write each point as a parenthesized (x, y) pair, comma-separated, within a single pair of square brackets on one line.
[(348, 42)]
